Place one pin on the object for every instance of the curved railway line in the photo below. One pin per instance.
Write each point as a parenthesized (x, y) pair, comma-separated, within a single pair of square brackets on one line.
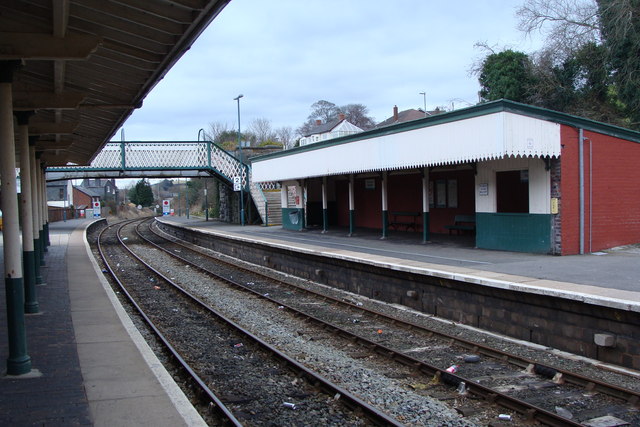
[(481, 381)]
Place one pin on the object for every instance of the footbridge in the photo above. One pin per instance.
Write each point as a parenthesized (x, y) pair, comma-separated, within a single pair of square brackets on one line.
[(164, 159)]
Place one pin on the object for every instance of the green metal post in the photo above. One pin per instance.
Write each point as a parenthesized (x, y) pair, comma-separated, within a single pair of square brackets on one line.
[(325, 221), (425, 227)]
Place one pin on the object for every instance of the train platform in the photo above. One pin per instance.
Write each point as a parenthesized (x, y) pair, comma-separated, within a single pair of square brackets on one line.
[(610, 278), (90, 365)]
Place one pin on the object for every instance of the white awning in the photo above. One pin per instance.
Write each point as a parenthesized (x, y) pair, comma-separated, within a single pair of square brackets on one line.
[(491, 136)]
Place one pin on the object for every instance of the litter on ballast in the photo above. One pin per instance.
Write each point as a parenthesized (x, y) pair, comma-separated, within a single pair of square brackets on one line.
[(471, 358), (462, 388), (238, 345), (156, 288), (289, 405)]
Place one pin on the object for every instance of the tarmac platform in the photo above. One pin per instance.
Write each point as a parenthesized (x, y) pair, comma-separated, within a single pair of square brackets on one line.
[(92, 367)]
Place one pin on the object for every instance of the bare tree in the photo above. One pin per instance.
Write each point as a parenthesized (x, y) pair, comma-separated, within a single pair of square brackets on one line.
[(567, 24), (262, 130), (357, 114), (285, 136), (216, 129)]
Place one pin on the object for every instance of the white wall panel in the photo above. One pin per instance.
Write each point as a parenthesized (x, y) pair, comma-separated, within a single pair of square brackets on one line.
[(492, 136), (539, 183)]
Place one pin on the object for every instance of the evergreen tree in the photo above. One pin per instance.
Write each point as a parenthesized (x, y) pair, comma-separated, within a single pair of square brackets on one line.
[(141, 194)]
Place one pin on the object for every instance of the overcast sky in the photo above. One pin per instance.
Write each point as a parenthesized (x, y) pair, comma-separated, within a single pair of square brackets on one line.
[(284, 55)]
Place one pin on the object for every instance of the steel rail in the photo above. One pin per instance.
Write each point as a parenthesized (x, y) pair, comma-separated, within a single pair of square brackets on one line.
[(528, 410), (589, 384), (224, 412), (350, 400)]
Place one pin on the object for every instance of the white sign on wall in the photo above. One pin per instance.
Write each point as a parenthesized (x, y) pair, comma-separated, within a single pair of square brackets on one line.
[(236, 183)]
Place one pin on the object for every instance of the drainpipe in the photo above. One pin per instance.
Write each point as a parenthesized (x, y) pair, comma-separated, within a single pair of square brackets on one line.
[(581, 166)]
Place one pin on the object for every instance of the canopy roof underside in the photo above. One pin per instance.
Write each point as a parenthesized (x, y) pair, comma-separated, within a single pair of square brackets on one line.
[(486, 137), (83, 66)]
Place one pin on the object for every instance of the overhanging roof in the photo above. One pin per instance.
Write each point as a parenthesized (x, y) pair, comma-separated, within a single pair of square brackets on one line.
[(488, 131), (87, 64)]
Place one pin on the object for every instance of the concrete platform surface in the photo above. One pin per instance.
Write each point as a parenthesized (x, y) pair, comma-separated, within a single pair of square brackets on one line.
[(610, 278), (91, 365)]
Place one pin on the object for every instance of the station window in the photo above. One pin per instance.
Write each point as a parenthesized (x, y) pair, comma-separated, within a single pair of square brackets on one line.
[(444, 194), (512, 191)]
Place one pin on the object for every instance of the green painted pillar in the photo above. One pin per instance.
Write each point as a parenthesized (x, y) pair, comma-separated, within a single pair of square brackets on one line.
[(18, 362), (352, 209), (425, 227), (43, 248), (35, 207), (425, 206), (325, 214), (28, 253), (325, 221), (385, 206), (36, 261)]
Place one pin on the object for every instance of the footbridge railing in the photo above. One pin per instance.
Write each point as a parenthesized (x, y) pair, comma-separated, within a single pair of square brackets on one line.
[(157, 159)]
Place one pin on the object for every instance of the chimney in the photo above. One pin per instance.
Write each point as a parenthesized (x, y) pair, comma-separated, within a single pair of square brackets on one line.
[(341, 116), (318, 122), (395, 113)]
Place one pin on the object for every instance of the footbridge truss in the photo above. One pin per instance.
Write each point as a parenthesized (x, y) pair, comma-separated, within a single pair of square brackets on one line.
[(164, 159)]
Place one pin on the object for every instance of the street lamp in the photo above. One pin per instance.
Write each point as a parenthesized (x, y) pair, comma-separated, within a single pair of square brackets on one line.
[(206, 200), (424, 96), (241, 164)]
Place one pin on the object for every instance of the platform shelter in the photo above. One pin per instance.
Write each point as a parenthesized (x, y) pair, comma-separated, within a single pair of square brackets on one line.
[(516, 177)]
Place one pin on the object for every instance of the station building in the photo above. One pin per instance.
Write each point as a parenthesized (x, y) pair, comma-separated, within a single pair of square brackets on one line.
[(516, 177)]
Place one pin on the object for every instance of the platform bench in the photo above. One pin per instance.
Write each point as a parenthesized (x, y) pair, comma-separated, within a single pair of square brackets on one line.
[(462, 223), (404, 219)]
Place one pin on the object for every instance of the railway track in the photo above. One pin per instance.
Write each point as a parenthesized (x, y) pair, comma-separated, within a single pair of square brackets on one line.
[(536, 392), (244, 379)]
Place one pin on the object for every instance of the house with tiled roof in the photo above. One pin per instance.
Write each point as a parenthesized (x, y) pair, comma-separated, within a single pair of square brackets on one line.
[(329, 130), (407, 116)]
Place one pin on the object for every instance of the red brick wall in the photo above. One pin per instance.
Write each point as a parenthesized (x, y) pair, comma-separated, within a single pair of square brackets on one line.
[(613, 182), (79, 198)]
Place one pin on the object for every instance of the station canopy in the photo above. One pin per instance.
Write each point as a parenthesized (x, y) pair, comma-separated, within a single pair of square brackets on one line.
[(85, 65), (493, 130)]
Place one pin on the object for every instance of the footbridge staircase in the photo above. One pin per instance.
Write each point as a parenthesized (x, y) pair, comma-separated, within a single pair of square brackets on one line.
[(170, 159)]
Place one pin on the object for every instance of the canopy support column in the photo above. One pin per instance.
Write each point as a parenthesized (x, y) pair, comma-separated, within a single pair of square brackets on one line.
[(28, 253), (385, 207), (425, 206), (325, 216), (352, 212), (18, 362)]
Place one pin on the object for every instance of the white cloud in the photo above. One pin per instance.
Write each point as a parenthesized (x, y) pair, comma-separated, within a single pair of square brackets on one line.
[(286, 55)]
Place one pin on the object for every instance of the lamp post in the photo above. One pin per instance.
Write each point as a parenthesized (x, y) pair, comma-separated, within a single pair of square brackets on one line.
[(237, 98), (206, 200), (424, 97)]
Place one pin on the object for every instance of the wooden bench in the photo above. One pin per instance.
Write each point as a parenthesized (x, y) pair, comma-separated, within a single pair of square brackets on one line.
[(408, 220), (462, 223)]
